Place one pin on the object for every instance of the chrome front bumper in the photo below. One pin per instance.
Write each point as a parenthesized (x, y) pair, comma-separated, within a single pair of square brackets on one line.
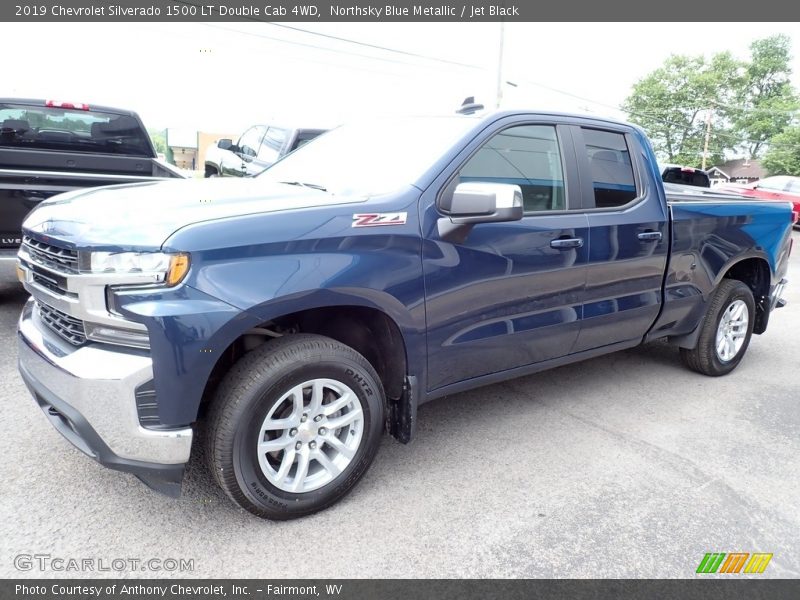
[(8, 265), (88, 395)]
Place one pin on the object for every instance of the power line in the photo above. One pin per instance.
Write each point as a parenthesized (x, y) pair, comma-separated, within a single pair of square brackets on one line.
[(476, 67), (378, 47), (447, 62), (737, 141), (313, 46), (746, 110)]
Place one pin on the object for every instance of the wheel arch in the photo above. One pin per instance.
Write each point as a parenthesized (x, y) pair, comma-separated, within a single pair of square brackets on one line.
[(368, 329), (754, 271)]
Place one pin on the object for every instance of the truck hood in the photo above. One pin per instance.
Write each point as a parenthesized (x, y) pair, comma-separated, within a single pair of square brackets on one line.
[(144, 215)]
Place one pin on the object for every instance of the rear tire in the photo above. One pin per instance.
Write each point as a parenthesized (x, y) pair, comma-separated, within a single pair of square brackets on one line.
[(294, 425), (725, 331)]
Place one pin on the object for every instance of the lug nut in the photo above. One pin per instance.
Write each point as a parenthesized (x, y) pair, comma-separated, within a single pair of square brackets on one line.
[(312, 445), (304, 418), (293, 432), (318, 418), (322, 431), (298, 445)]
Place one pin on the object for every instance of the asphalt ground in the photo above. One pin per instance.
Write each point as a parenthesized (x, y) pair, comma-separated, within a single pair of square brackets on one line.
[(627, 465)]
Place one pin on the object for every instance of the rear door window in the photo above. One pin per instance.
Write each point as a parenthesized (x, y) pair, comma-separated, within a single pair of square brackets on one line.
[(610, 167)]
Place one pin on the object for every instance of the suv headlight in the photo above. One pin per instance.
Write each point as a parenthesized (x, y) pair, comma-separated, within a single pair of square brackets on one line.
[(170, 268)]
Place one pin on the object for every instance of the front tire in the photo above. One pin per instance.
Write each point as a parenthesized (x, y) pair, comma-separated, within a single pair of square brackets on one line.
[(294, 425), (726, 331)]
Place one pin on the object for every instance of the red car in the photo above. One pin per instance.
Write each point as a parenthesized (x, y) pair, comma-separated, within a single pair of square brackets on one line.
[(780, 187)]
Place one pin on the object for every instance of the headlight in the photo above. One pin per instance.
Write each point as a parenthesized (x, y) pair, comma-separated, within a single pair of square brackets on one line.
[(129, 262), (170, 268)]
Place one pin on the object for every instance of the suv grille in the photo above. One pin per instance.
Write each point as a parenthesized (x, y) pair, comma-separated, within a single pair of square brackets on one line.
[(62, 260), (69, 328)]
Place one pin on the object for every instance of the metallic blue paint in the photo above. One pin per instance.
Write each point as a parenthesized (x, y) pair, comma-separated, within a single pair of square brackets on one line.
[(708, 238), (499, 303), (261, 267), (624, 274), (188, 331), (140, 216)]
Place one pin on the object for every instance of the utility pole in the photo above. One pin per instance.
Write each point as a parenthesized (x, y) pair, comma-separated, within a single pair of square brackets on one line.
[(500, 65), (708, 136)]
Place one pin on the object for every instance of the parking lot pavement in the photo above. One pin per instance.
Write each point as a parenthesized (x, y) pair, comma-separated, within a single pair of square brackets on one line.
[(623, 466)]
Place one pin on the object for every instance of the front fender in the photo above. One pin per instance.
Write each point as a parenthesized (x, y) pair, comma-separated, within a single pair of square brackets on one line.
[(379, 268), (192, 325), (189, 330)]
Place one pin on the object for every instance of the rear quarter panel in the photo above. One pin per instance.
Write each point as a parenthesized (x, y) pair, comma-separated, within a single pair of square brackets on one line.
[(708, 238)]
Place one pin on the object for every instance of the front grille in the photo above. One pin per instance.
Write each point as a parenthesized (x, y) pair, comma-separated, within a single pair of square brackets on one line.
[(58, 259), (54, 283), (69, 328)]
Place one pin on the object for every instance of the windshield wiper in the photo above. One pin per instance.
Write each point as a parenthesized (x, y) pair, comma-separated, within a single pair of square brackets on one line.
[(313, 186)]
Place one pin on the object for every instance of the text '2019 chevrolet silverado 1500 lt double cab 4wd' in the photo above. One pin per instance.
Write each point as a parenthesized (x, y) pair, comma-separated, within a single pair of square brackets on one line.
[(48, 147), (300, 314)]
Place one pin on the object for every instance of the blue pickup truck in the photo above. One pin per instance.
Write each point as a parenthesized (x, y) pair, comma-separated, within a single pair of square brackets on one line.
[(295, 317)]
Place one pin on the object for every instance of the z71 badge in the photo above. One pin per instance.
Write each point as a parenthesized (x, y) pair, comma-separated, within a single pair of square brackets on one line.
[(379, 219)]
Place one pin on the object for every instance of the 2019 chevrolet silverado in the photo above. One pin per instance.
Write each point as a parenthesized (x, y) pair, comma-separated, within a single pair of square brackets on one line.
[(298, 315), (48, 147)]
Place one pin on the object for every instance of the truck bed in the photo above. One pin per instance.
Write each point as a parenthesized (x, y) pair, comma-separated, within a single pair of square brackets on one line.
[(49, 147), (687, 193)]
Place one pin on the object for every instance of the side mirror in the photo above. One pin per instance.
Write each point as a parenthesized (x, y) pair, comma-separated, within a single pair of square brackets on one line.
[(481, 202), (224, 144)]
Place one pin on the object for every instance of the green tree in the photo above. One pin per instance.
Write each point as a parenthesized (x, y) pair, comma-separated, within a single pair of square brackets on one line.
[(159, 137), (783, 155), (672, 103), (765, 101)]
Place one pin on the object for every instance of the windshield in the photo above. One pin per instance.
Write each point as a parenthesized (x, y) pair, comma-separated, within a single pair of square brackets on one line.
[(72, 130), (371, 157)]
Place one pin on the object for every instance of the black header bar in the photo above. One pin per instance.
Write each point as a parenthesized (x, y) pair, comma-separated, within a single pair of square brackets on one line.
[(678, 11), (710, 588)]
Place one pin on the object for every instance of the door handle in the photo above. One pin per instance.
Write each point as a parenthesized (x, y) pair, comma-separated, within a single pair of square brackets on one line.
[(565, 243), (649, 236)]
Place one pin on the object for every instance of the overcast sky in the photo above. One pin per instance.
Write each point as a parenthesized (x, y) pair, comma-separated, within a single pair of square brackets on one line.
[(221, 77)]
